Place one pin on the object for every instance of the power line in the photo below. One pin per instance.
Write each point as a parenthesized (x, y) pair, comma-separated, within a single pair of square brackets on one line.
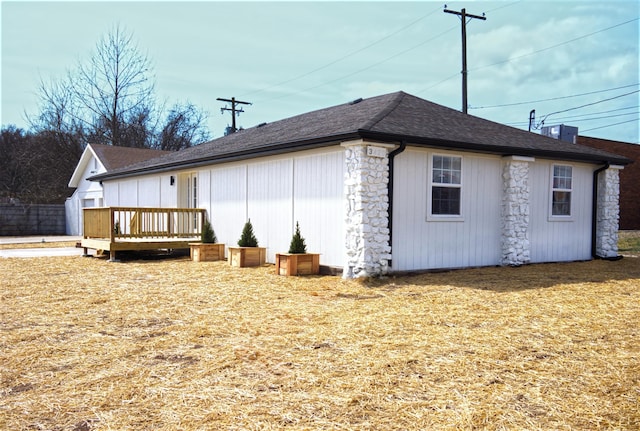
[(503, 6), (555, 46), (584, 106), (553, 98), (331, 63), (437, 83), (609, 125), (529, 54), (584, 117), (580, 120), (365, 68)]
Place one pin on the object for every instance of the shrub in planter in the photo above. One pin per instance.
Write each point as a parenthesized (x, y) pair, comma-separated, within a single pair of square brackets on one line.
[(208, 236), (248, 238), (297, 261), (297, 245), (207, 250), (247, 253)]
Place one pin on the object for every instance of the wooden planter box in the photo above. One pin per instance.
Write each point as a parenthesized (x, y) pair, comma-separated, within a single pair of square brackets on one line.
[(201, 252), (297, 264), (247, 256)]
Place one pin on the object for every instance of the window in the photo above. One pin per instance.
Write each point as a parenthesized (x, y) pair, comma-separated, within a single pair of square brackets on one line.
[(561, 191), (446, 183)]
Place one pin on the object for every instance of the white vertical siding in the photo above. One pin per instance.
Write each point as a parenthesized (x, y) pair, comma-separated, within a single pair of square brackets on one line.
[(91, 190), (560, 239), (168, 192), (111, 193), (472, 241), (276, 192), (318, 198), (228, 202), (128, 193), (204, 190), (149, 191), (270, 204)]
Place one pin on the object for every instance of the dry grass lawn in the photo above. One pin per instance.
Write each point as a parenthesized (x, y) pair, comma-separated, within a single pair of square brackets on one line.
[(174, 345)]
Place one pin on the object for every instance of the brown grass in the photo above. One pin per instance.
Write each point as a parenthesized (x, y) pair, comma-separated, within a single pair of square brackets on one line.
[(174, 345)]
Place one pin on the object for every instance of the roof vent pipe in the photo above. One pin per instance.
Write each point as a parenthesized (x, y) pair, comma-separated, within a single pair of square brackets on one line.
[(355, 102)]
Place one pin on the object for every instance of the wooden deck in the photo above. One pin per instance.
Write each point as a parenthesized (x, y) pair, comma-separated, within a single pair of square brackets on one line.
[(116, 229)]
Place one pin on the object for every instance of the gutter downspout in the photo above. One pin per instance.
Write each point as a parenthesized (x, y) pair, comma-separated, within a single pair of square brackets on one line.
[(594, 209), (392, 156)]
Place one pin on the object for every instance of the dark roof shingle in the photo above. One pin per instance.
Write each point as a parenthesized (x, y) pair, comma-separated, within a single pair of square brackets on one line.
[(390, 117), (115, 157)]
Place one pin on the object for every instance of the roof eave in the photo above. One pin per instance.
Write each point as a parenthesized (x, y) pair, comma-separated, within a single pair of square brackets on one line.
[(271, 150), (497, 149)]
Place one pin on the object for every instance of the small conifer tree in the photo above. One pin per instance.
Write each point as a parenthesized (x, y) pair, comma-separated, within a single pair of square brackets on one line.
[(297, 245), (248, 239), (208, 235)]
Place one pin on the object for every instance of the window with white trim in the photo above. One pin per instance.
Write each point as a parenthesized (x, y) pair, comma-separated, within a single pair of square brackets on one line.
[(446, 185), (561, 188)]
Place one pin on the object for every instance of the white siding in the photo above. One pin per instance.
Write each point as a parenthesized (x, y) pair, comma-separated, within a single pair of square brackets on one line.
[(318, 198), (228, 202), (168, 192), (148, 191), (128, 192), (111, 193), (472, 241), (86, 192), (555, 239), (276, 192), (270, 204)]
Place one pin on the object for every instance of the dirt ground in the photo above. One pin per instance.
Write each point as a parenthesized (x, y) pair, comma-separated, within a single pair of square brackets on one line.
[(169, 344)]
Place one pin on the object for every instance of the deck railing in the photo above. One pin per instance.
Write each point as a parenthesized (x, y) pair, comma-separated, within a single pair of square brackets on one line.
[(121, 223)]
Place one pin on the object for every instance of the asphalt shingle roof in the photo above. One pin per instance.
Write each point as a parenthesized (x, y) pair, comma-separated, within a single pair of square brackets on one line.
[(391, 117), (115, 157)]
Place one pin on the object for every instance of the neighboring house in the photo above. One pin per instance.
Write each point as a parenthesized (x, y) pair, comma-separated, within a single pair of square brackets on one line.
[(629, 178), (392, 183), (97, 159)]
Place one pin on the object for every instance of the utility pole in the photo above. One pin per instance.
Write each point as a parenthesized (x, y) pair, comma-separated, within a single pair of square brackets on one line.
[(463, 19), (233, 110)]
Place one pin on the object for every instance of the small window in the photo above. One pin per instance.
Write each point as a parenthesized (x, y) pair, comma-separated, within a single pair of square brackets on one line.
[(446, 183), (562, 187)]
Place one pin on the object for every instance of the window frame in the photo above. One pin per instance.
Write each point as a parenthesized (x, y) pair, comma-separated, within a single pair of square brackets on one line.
[(431, 184), (553, 189)]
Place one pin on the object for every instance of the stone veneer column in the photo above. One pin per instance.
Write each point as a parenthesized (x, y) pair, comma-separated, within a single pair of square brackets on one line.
[(516, 248), (608, 212), (367, 209)]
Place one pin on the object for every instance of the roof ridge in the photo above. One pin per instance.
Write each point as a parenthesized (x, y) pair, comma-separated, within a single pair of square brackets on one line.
[(386, 111)]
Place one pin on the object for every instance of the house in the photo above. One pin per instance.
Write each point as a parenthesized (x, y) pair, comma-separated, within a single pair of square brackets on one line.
[(392, 183), (629, 178), (97, 159)]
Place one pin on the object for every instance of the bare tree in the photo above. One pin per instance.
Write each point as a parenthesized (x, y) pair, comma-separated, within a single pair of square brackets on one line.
[(14, 147), (58, 108), (109, 99), (114, 88), (35, 168), (184, 127)]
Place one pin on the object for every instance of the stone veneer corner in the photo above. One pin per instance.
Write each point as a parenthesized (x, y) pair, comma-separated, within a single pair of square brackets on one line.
[(608, 212), (367, 210), (516, 246)]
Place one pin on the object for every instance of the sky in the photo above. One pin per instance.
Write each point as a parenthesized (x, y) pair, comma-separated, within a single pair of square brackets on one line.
[(574, 62)]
